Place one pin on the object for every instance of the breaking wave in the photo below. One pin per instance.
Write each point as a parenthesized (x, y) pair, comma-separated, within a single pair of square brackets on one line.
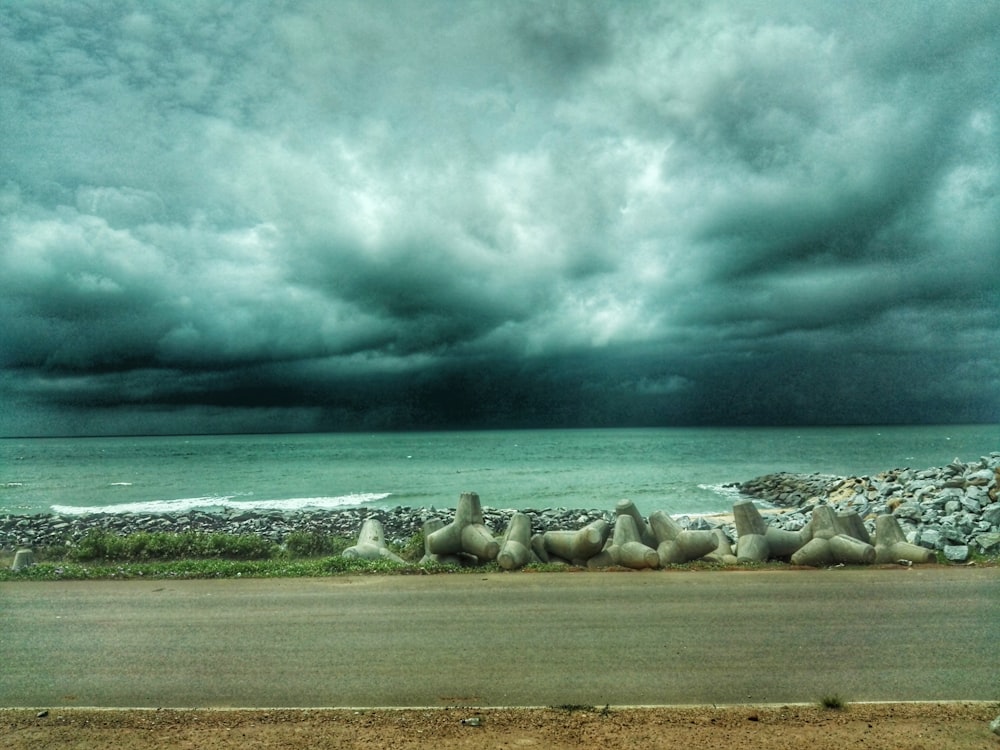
[(228, 502)]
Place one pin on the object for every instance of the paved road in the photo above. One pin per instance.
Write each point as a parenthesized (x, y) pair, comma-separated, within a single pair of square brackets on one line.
[(515, 639)]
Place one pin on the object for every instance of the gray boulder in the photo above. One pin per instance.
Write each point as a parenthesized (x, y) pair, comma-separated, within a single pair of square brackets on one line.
[(957, 553)]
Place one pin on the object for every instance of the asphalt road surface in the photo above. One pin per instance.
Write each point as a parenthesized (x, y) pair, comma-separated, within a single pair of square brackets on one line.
[(505, 639)]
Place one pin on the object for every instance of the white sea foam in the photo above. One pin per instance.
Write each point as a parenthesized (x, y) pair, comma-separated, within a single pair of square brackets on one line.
[(183, 505), (729, 491), (120, 484)]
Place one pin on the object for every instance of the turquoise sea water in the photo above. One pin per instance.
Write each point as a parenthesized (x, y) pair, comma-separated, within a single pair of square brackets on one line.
[(676, 470)]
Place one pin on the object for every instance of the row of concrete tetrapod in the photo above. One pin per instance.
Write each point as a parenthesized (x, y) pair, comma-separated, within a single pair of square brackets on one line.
[(636, 542), (653, 542)]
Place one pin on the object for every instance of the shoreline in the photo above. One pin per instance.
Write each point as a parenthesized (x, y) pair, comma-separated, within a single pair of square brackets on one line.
[(953, 509)]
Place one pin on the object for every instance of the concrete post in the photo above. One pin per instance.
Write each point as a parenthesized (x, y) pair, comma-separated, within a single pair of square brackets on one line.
[(371, 544), (891, 545)]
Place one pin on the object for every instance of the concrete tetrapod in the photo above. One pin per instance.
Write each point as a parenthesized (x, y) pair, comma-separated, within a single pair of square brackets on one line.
[(23, 558), (515, 546), (429, 557), (891, 544), (646, 536), (627, 550), (579, 546), (723, 552), (371, 544), (676, 545), (467, 533), (832, 542), (757, 541), (751, 546)]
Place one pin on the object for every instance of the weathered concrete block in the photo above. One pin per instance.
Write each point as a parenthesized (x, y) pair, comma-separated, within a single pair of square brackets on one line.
[(645, 533), (824, 523), (853, 525), (751, 548), (891, 545), (466, 533), (430, 527), (748, 519), (515, 546), (626, 548), (687, 546), (676, 545), (578, 545), (23, 558), (816, 553), (781, 543), (723, 552), (847, 549), (371, 544)]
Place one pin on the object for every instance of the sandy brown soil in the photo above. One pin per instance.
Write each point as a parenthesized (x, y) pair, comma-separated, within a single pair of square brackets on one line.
[(899, 726)]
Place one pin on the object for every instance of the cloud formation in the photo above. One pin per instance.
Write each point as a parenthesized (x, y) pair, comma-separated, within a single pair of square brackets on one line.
[(314, 215)]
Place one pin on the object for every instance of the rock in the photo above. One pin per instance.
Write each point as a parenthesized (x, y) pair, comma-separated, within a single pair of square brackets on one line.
[(931, 538), (957, 553), (989, 543), (995, 726), (991, 514)]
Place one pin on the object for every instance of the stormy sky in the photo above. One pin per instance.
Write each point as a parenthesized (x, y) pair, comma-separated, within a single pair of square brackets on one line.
[(273, 216)]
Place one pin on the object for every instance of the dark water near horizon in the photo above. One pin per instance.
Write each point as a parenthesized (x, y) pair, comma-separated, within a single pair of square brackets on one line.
[(680, 471)]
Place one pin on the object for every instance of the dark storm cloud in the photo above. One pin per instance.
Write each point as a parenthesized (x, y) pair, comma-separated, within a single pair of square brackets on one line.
[(320, 215)]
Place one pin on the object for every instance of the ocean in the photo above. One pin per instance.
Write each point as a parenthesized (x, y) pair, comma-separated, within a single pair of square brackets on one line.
[(679, 471)]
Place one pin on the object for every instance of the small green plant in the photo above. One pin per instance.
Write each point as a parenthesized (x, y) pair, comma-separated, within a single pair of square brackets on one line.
[(412, 549), (832, 701), (314, 544)]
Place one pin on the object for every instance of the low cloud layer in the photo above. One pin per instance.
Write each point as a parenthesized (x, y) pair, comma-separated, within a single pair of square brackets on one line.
[(315, 215)]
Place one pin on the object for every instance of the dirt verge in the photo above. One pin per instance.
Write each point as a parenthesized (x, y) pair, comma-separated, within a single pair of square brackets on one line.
[(913, 726)]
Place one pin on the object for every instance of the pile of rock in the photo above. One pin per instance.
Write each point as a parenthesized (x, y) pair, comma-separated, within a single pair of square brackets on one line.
[(400, 523), (954, 509)]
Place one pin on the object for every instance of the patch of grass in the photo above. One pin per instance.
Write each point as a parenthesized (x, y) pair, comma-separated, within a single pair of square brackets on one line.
[(314, 544), (99, 545), (832, 702), (211, 568), (412, 549)]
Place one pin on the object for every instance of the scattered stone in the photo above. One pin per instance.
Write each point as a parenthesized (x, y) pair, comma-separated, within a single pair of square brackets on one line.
[(957, 553)]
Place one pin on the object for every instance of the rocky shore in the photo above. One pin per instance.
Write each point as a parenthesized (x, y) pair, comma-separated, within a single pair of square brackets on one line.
[(954, 509), (400, 523)]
